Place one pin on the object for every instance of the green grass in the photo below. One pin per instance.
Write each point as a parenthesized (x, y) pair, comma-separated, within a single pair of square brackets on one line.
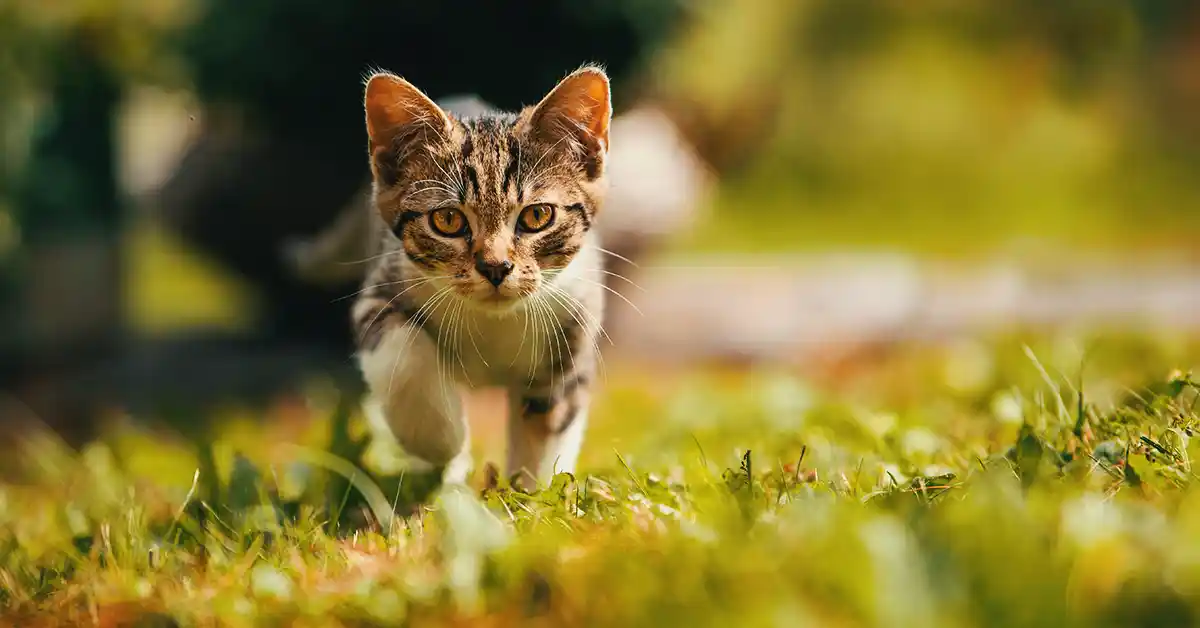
[(1022, 481)]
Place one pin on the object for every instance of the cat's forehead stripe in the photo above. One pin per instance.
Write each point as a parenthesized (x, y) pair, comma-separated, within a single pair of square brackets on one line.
[(513, 169), (488, 166)]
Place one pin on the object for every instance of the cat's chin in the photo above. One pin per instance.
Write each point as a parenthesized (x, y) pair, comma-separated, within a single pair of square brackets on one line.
[(497, 304)]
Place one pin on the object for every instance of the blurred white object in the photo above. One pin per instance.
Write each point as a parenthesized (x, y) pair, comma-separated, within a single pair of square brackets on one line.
[(657, 183)]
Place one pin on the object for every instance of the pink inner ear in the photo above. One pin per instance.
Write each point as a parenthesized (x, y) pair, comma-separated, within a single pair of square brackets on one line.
[(378, 118), (392, 102), (380, 93), (584, 98)]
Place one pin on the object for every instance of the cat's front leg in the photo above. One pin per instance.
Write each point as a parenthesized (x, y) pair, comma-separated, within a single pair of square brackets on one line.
[(408, 391), (546, 427)]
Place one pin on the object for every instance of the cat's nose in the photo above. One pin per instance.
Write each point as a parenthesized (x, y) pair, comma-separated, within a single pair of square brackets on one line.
[(494, 272)]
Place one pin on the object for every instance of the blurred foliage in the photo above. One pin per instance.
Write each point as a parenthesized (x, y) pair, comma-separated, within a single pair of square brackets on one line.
[(952, 126), (945, 125), (127, 39), (63, 70), (1029, 481)]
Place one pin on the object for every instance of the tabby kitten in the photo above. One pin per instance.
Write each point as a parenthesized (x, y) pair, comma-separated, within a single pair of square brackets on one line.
[(490, 273)]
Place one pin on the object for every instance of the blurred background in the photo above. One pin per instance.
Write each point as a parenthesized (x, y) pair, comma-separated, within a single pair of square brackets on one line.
[(844, 174)]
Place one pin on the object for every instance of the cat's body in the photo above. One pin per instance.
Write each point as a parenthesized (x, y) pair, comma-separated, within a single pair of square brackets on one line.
[(489, 274)]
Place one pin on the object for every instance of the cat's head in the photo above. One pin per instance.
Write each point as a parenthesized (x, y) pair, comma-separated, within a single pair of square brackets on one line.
[(490, 207)]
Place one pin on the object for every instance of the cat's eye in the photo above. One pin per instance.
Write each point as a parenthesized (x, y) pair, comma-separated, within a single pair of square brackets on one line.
[(536, 217), (448, 221)]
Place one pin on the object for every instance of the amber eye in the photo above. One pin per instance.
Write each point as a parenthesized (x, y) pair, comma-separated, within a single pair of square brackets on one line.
[(448, 222), (536, 217)]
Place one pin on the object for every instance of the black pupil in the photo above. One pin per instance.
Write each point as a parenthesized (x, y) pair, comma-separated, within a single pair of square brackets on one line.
[(535, 215)]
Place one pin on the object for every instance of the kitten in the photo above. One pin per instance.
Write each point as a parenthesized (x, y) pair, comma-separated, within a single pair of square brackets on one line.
[(491, 273)]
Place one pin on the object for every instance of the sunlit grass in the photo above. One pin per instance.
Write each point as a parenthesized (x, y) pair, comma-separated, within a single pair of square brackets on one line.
[(946, 485)]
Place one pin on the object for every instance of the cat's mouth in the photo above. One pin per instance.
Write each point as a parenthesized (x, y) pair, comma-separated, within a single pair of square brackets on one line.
[(498, 298), (502, 299), (493, 300), (497, 303)]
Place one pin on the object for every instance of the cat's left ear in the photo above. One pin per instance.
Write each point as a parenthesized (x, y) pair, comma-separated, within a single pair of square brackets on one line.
[(579, 105), (393, 105)]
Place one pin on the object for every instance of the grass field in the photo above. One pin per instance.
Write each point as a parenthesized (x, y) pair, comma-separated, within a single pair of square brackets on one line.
[(1025, 481)]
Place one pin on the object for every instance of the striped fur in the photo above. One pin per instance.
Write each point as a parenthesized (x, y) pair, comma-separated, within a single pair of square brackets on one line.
[(429, 320)]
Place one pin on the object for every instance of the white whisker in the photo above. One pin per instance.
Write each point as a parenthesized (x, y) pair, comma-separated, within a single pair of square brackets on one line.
[(438, 361), (471, 337), (389, 283), (445, 190), (388, 305), (455, 332), (577, 312), (618, 256), (372, 258), (534, 169), (618, 276), (581, 309), (430, 306), (534, 323), (559, 332), (544, 174), (457, 181), (524, 329), (618, 294)]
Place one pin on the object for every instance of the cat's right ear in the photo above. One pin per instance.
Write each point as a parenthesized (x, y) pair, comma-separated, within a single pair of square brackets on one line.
[(395, 107)]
